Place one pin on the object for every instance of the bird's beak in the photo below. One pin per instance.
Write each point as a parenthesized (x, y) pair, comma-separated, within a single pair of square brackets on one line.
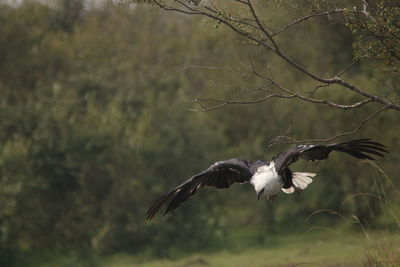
[(260, 193)]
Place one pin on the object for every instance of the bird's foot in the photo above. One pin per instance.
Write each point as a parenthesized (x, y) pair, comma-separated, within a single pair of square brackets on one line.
[(271, 198), (298, 190)]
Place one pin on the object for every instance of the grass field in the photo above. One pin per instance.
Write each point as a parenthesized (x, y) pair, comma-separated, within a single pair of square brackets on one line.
[(315, 248)]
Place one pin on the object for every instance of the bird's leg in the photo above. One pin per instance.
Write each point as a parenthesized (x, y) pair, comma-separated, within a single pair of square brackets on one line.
[(298, 190), (271, 198)]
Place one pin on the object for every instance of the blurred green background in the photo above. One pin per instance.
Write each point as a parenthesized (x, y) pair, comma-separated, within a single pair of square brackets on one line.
[(95, 125)]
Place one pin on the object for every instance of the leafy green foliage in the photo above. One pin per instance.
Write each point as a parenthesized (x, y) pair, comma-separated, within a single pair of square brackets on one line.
[(377, 34), (93, 129)]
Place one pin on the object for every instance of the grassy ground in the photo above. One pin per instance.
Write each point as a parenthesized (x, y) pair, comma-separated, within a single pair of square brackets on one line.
[(316, 249)]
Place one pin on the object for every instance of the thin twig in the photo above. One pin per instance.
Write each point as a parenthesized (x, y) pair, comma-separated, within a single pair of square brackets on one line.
[(360, 124), (263, 29), (297, 21), (218, 16)]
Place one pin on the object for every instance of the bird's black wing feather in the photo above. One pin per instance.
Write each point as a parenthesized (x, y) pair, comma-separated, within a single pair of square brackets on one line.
[(359, 148), (220, 175)]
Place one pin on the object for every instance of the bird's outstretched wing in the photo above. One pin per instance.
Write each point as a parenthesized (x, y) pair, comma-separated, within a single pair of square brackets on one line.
[(221, 174), (359, 148)]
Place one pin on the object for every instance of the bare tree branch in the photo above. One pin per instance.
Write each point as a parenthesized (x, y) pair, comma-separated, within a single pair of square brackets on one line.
[(251, 27), (347, 68), (267, 34), (223, 103), (308, 17), (218, 16), (288, 139)]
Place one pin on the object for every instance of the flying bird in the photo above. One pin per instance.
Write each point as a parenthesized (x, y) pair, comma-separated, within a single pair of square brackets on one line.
[(267, 177)]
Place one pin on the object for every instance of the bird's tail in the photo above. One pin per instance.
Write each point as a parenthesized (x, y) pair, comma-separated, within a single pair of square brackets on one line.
[(300, 181)]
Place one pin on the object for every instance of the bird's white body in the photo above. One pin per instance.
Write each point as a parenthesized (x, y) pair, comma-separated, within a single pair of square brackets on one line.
[(268, 179)]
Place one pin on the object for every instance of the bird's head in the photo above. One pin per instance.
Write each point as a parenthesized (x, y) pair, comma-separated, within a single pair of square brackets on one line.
[(259, 186)]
